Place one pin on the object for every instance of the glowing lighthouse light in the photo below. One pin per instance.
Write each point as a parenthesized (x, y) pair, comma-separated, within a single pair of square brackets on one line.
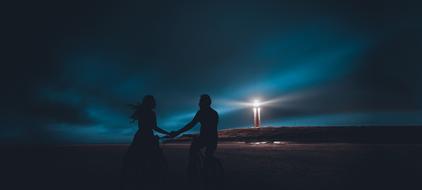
[(256, 113)]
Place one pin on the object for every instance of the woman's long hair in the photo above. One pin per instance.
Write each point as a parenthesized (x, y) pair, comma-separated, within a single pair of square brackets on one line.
[(148, 103), (137, 109)]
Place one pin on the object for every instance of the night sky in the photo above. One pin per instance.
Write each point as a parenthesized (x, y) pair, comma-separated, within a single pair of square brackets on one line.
[(70, 68)]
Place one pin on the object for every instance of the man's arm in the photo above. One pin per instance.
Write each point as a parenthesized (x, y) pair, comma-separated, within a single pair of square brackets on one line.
[(188, 126)]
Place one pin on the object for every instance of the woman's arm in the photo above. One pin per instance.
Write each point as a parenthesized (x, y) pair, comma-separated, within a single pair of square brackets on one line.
[(158, 129), (162, 131)]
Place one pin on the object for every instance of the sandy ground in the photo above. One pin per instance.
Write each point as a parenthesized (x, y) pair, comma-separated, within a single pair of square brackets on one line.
[(263, 166)]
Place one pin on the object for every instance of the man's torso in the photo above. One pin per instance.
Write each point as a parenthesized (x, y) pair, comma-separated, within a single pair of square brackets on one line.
[(208, 118)]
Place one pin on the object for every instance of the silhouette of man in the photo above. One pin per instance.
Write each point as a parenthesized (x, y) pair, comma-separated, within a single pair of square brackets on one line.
[(208, 136)]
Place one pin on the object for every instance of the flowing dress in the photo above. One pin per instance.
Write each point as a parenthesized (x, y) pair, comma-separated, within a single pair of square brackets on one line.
[(144, 162)]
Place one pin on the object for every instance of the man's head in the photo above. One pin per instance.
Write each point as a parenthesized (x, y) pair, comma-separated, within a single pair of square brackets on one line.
[(205, 101)]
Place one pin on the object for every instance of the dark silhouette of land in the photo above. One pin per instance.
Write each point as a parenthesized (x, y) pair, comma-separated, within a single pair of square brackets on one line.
[(291, 165), (343, 134)]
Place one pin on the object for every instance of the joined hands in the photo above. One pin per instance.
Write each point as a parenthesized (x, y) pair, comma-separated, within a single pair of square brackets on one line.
[(172, 134)]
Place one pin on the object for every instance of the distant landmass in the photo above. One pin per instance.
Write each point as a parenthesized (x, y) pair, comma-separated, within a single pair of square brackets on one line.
[(332, 134)]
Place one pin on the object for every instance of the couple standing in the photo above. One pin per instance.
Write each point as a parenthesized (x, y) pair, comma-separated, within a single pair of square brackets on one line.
[(144, 163)]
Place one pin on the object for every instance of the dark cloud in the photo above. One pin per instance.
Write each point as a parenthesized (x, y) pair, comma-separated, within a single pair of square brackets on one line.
[(71, 67), (52, 113)]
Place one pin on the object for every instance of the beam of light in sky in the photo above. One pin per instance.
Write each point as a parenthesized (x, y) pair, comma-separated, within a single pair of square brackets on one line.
[(225, 106), (283, 87), (256, 103), (289, 84)]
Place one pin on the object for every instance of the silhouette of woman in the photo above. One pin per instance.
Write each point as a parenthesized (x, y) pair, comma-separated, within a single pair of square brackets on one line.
[(144, 163)]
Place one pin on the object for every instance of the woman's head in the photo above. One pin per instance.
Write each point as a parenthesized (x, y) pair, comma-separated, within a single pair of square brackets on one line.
[(148, 102)]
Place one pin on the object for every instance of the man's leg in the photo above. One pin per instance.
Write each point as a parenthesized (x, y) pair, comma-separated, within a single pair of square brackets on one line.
[(193, 172), (211, 165), (210, 148)]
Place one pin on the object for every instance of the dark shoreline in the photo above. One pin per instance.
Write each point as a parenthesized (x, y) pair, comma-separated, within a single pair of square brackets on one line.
[(332, 134)]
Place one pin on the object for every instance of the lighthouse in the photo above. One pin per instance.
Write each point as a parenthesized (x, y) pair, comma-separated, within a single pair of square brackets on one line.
[(256, 114)]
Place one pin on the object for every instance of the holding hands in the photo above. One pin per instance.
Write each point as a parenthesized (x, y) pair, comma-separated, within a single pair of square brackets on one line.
[(173, 134)]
